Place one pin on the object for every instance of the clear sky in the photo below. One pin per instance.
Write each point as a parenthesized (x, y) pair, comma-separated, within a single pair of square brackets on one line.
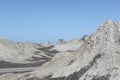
[(49, 20)]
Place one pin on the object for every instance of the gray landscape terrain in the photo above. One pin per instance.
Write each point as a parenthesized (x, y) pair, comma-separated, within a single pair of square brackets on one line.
[(92, 57)]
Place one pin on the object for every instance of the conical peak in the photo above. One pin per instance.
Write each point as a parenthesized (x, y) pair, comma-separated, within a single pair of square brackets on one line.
[(47, 44), (110, 24), (61, 41), (109, 21), (109, 27), (107, 34)]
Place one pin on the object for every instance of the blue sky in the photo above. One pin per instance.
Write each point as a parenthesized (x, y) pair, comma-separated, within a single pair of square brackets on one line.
[(49, 20)]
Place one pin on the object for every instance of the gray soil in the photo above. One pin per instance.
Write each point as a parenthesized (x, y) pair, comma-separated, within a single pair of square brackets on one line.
[(79, 74)]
